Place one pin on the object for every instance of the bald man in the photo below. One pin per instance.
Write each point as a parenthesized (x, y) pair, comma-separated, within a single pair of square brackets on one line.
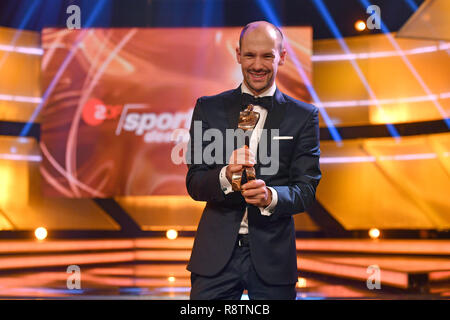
[(246, 239)]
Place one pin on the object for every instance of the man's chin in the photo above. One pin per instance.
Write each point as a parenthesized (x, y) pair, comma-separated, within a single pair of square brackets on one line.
[(258, 87)]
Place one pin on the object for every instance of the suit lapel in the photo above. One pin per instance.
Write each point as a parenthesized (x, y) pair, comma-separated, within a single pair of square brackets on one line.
[(273, 121), (233, 107), (276, 115)]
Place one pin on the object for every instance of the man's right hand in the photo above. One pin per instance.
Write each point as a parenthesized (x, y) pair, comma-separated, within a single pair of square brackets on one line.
[(239, 159)]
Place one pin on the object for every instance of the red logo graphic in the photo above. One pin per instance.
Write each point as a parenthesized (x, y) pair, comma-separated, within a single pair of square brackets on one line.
[(95, 112)]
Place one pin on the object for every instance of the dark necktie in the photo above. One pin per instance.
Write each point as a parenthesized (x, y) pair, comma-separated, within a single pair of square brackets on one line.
[(265, 102)]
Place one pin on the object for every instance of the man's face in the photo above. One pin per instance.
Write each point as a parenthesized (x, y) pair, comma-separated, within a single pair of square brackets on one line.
[(260, 57)]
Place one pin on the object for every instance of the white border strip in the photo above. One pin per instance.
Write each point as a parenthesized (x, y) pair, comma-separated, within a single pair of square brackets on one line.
[(24, 50), (380, 54), (326, 104), (315, 58), (20, 157)]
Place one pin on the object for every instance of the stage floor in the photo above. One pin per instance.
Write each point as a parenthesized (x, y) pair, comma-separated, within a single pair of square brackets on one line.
[(155, 268), (171, 281)]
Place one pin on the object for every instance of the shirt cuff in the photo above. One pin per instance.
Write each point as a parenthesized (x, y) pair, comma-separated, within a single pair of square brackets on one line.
[(225, 185), (267, 211)]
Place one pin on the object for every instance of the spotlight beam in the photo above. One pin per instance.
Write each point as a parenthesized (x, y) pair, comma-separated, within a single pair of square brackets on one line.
[(412, 5), (337, 34), (387, 33), (19, 31), (269, 12), (97, 9)]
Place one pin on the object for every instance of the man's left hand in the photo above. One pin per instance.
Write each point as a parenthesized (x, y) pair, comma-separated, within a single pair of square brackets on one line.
[(256, 193)]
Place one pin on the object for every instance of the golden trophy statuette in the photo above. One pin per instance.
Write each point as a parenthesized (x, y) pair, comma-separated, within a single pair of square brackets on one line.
[(247, 121)]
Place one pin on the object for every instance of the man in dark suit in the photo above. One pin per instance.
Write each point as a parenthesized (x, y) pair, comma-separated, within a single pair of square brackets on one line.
[(246, 240)]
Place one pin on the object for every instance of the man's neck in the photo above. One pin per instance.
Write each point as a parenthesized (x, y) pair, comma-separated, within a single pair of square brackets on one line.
[(268, 92)]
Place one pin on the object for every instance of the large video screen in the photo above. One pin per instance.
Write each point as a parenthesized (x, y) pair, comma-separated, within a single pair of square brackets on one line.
[(117, 101)]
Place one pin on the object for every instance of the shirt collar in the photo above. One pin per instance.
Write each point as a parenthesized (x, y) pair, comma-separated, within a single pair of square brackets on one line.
[(269, 92)]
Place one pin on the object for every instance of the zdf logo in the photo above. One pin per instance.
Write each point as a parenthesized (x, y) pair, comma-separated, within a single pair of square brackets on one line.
[(95, 112)]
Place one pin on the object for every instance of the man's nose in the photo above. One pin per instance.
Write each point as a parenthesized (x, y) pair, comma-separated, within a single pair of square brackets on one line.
[(257, 64)]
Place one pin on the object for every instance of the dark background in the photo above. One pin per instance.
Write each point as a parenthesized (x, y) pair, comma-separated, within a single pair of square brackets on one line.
[(38, 14)]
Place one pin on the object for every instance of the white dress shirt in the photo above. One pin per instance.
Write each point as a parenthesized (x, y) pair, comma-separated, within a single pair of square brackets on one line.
[(254, 139)]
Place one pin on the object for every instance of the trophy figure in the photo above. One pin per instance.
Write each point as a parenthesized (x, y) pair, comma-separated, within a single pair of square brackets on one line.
[(247, 121)]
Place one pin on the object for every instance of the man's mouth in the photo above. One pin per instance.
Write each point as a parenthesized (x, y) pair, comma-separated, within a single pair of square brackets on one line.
[(257, 76)]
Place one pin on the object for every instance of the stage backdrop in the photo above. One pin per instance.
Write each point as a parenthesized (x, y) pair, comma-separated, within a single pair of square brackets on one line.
[(113, 99)]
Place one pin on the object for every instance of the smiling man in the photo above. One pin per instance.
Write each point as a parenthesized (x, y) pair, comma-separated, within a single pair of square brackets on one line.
[(260, 54), (246, 239)]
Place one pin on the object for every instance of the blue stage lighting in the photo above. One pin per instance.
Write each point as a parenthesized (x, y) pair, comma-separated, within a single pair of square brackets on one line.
[(387, 33), (97, 9), (412, 5), (337, 34), (272, 17)]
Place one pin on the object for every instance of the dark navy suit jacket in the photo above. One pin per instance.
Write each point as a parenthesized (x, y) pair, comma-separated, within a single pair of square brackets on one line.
[(272, 238)]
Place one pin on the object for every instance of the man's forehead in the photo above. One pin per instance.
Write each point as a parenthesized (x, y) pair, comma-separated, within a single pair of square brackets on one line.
[(261, 31), (259, 39), (260, 34)]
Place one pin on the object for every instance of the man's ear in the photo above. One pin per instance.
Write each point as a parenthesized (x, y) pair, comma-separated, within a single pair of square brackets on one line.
[(282, 57), (238, 55)]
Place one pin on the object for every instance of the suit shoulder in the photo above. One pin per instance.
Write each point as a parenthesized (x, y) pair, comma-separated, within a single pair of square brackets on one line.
[(216, 97), (300, 106)]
